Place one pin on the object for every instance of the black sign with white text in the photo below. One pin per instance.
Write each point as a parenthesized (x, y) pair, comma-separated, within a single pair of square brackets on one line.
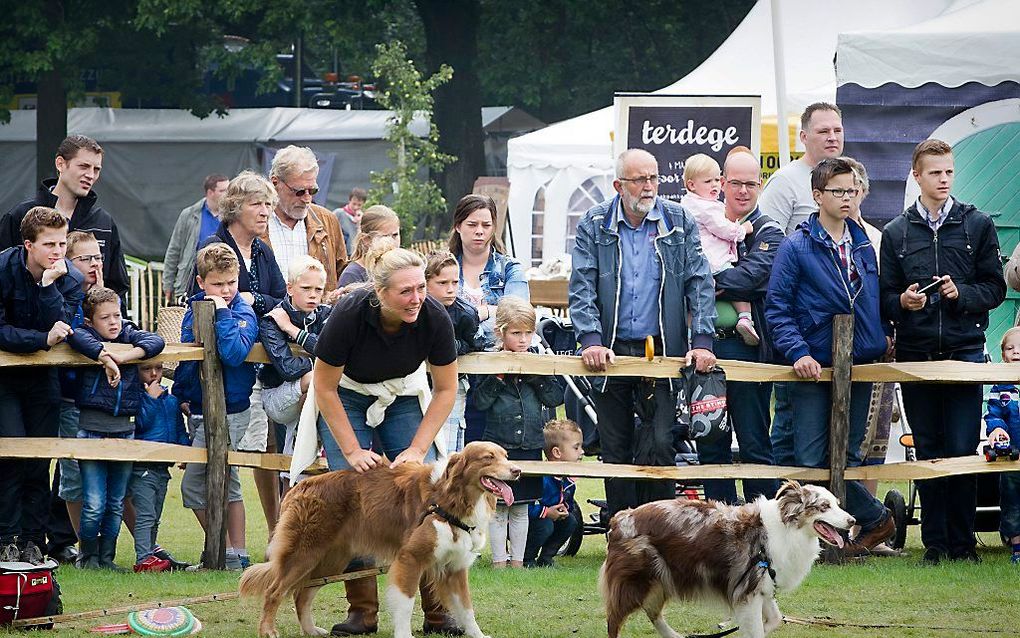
[(674, 133)]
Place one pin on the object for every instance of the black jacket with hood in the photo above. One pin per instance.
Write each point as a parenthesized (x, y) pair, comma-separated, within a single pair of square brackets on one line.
[(87, 217), (966, 248)]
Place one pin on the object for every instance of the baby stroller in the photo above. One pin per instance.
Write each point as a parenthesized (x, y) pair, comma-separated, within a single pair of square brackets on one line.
[(906, 508)]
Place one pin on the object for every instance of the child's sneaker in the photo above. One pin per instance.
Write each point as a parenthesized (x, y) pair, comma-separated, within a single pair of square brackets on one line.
[(152, 564), (745, 328)]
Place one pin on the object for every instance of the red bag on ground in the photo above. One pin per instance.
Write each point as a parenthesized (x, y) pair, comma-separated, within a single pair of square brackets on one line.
[(27, 591)]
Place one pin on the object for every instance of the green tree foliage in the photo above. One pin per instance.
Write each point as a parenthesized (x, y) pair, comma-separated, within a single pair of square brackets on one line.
[(402, 89)]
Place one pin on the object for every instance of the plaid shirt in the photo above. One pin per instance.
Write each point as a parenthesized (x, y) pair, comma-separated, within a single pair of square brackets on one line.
[(843, 250), (935, 224), (287, 243)]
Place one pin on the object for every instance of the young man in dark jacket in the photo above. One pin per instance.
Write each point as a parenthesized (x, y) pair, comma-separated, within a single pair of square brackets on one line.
[(79, 160), (827, 267), (953, 245), (39, 293)]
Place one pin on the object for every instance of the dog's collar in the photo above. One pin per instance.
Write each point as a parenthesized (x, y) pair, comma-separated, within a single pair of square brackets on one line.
[(446, 516)]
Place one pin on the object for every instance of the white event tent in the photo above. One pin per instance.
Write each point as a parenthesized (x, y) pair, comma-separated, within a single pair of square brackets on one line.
[(557, 173)]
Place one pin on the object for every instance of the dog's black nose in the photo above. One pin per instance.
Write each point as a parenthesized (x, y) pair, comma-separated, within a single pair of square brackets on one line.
[(852, 521)]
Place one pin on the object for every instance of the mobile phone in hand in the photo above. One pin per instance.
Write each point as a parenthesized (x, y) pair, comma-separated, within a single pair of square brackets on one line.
[(931, 288)]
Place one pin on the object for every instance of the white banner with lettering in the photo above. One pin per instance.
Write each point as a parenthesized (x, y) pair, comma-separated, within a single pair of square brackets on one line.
[(674, 127)]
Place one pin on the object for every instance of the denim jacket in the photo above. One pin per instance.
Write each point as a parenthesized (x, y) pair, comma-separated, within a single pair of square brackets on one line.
[(503, 275), (513, 407), (686, 284)]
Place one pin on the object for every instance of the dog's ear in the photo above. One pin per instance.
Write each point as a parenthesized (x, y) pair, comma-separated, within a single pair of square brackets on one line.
[(455, 466), (790, 498)]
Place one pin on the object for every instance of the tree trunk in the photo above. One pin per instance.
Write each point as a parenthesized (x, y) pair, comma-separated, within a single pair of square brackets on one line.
[(51, 109), (451, 37)]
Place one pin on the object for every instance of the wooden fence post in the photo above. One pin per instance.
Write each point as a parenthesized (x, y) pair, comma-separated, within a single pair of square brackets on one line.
[(217, 439), (839, 417)]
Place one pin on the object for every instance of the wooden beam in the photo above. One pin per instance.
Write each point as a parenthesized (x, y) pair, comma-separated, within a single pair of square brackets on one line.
[(938, 372), (839, 412), (659, 367), (217, 438)]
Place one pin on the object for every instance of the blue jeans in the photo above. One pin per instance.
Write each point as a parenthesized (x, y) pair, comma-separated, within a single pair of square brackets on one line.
[(148, 493), (946, 422), (812, 404), (782, 425), (546, 537), (104, 484), (394, 434), (748, 406), (1009, 504)]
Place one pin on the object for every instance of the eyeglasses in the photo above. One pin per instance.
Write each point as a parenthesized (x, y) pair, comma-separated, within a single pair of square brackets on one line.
[(641, 179), (88, 259), (300, 192), (736, 184), (840, 193)]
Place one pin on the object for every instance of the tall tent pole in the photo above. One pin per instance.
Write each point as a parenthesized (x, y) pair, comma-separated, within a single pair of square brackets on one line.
[(782, 128)]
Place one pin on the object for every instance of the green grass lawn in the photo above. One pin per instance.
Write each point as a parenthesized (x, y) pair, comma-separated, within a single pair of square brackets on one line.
[(564, 601)]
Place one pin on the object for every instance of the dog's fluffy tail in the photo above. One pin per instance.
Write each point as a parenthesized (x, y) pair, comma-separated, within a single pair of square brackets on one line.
[(256, 580)]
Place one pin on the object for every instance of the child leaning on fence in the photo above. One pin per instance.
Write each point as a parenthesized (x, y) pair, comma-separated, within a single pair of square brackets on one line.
[(297, 319), (1002, 422), (159, 420), (514, 415), (551, 518), (107, 399), (442, 278), (237, 331)]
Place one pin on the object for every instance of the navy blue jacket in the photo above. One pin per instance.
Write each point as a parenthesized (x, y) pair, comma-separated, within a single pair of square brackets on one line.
[(967, 249), (555, 490), (808, 287), (160, 420), (94, 390), (285, 365), (237, 330), (513, 407), (87, 217), (465, 326), (748, 279), (27, 310), (270, 288)]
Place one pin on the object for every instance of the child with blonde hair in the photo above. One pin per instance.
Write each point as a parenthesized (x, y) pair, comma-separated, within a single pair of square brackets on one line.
[(552, 520), (719, 236), (514, 416), (1002, 422)]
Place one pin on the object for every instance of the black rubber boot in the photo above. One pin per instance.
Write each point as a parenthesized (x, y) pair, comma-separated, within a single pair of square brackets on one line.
[(107, 552), (88, 555)]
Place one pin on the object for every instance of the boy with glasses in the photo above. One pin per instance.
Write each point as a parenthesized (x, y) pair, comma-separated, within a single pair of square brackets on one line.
[(828, 267)]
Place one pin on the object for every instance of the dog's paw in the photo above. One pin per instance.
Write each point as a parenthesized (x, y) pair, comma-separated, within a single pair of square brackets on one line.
[(318, 631), (269, 633)]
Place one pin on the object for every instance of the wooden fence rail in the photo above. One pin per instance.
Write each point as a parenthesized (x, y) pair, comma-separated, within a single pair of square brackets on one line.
[(219, 457)]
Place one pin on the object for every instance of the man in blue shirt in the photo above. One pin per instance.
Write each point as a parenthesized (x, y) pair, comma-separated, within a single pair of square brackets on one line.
[(638, 271), (195, 224)]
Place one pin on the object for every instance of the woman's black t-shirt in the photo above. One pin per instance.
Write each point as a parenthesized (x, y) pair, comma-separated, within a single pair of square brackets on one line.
[(353, 337)]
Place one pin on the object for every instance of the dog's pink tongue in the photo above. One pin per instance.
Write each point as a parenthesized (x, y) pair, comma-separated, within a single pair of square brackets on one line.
[(500, 489)]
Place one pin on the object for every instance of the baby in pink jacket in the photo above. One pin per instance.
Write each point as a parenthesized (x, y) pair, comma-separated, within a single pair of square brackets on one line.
[(719, 236)]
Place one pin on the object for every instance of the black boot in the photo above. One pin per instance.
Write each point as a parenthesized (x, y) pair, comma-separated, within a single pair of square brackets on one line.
[(88, 555), (107, 552)]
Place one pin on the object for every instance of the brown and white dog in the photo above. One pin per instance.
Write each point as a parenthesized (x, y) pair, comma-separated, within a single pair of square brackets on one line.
[(695, 550), (413, 516)]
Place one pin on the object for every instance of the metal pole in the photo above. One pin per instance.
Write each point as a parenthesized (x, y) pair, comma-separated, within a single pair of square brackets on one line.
[(782, 129)]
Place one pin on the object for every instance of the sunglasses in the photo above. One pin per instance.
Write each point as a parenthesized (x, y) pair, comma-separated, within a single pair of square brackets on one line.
[(301, 192)]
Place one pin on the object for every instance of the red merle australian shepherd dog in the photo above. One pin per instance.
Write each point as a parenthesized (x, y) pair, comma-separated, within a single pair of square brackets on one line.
[(429, 520), (697, 550)]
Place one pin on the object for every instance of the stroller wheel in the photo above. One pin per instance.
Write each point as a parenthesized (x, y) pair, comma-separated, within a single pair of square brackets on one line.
[(574, 542), (896, 504)]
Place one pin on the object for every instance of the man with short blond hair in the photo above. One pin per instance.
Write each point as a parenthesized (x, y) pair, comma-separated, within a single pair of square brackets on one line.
[(195, 224), (953, 246), (299, 227)]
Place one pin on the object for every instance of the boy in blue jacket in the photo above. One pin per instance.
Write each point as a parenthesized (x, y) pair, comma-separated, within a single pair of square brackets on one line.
[(828, 267), (551, 520), (159, 420), (236, 332), (39, 292), (107, 399), (1002, 422)]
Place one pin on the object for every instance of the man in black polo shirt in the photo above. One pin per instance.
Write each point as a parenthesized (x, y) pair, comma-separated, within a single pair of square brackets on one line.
[(748, 280)]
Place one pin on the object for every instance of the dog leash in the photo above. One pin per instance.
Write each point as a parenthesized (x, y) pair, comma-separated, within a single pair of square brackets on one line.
[(446, 516)]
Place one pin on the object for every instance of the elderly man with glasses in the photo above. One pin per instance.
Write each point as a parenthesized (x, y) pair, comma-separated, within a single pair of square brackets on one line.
[(299, 227), (638, 272), (747, 280)]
